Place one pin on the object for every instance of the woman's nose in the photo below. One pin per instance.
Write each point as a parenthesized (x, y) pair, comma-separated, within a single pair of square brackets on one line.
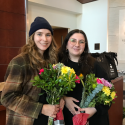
[(77, 43), (44, 38)]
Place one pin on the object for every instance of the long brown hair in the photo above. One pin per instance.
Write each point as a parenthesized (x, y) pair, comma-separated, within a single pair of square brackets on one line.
[(38, 61)]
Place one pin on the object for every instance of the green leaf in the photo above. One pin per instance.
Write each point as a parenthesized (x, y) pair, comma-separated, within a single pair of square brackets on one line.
[(32, 80), (36, 78), (41, 94)]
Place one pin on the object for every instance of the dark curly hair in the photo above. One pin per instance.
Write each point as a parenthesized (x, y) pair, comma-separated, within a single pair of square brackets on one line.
[(85, 60)]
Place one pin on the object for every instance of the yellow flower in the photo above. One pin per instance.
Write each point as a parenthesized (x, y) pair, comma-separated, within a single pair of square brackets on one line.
[(64, 70), (72, 71), (106, 90), (113, 94), (54, 64), (106, 101)]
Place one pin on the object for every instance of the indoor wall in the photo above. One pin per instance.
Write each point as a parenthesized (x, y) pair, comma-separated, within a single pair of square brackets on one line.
[(12, 31), (116, 30)]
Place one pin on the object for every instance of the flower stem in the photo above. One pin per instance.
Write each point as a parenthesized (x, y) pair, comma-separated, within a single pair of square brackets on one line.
[(82, 82), (50, 121)]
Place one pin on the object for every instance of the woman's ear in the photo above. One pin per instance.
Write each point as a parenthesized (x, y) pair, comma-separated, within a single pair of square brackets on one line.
[(67, 50)]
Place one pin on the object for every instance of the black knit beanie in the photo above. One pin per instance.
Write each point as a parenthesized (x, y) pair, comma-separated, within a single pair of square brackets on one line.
[(40, 23)]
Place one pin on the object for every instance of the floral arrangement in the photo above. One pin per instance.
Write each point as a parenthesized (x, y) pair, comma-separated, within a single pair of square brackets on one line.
[(56, 82), (95, 91)]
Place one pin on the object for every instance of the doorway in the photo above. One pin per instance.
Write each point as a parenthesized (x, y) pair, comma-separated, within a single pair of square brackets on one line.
[(59, 35)]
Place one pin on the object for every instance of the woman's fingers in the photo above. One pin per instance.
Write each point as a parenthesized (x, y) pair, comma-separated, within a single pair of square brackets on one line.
[(76, 106), (91, 111), (56, 106), (75, 100), (55, 111), (50, 110), (62, 103), (54, 116), (82, 109), (71, 105), (74, 111)]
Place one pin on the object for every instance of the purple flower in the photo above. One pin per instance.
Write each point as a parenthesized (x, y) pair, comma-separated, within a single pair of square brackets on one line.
[(106, 83), (54, 67)]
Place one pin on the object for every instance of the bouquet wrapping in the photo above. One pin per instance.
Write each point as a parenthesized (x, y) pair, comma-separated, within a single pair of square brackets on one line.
[(59, 120), (95, 91), (80, 119), (56, 81)]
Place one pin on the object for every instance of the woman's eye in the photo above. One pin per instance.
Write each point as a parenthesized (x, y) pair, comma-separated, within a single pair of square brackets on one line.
[(73, 40), (81, 41), (48, 35), (39, 34)]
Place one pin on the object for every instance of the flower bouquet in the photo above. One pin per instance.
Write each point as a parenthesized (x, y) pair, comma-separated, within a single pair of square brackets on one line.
[(95, 91), (56, 82)]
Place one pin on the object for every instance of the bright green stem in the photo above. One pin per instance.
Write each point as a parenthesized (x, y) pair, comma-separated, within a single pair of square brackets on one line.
[(82, 82), (50, 121)]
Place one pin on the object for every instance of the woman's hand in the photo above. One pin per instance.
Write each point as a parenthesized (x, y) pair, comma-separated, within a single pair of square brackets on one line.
[(71, 105), (62, 103), (50, 110), (91, 111)]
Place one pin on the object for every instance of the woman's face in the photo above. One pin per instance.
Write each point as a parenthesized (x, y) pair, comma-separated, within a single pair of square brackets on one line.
[(76, 44), (42, 39)]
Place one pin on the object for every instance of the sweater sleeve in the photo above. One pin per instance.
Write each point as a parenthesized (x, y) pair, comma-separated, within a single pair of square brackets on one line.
[(101, 73), (13, 96)]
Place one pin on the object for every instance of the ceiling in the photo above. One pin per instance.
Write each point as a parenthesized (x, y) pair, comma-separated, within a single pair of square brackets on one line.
[(85, 1)]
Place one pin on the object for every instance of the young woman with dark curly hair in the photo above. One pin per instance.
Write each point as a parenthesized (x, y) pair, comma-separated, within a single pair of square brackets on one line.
[(75, 54)]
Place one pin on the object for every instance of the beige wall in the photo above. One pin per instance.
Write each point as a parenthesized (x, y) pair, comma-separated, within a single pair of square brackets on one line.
[(93, 21), (68, 5), (55, 16), (113, 29)]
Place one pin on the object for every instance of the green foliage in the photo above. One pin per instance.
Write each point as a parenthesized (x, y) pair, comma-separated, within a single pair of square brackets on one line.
[(89, 101), (90, 83), (54, 83), (97, 91)]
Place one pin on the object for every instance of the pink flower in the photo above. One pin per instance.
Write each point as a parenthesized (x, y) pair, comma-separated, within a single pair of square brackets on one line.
[(99, 81), (54, 67), (106, 83), (77, 81), (41, 70)]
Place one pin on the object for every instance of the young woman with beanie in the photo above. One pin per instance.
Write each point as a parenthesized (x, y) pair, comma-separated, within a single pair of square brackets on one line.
[(75, 53), (19, 96)]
